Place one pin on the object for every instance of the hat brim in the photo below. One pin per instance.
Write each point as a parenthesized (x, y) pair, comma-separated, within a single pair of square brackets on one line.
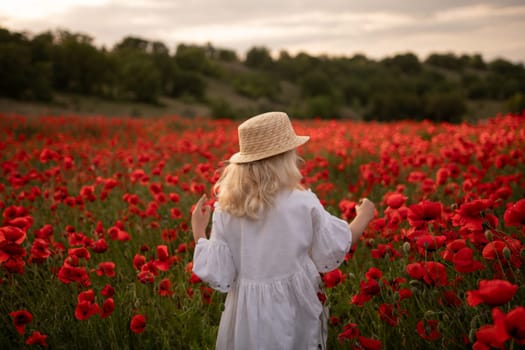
[(239, 157)]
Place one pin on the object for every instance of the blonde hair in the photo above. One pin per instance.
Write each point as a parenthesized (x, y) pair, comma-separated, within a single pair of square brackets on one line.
[(247, 189)]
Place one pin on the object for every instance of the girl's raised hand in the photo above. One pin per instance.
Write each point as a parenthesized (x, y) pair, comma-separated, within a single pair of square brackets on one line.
[(365, 208), (200, 218)]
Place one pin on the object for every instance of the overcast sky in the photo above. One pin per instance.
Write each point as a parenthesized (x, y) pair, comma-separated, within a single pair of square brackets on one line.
[(376, 28)]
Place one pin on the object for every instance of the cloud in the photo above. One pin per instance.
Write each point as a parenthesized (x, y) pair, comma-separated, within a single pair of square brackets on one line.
[(375, 27)]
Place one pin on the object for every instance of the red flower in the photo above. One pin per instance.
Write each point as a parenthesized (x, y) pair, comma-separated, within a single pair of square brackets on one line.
[(452, 248), (369, 343), (428, 330), (146, 276), (20, 319), (428, 243), (37, 338), (374, 273), (206, 293), (420, 214), (106, 268), (107, 308), (333, 278), (139, 261), (100, 246), (433, 273), (492, 292), (11, 235), (138, 324), (396, 200), (39, 251), (515, 214), (385, 250), (163, 260), (68, 274), (492, 336), (386, 313), (108, 291), (165, 287), (86, 306), (350, 331), (464, 262), (515, 324), (472, 215)]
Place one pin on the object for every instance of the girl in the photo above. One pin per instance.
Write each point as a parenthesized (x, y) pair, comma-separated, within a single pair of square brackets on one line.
[(269, 241)]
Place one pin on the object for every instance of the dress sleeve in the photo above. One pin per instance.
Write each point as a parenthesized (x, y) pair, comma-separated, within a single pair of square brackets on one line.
[(213, 261), (332, 239)]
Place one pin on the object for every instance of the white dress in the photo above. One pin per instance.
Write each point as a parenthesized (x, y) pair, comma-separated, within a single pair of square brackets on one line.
[(270, 269)]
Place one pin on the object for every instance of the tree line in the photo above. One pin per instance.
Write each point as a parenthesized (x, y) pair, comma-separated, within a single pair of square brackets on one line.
[(135, 69)]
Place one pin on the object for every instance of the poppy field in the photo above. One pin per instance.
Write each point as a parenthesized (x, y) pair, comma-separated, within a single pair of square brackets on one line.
[(96, 251)]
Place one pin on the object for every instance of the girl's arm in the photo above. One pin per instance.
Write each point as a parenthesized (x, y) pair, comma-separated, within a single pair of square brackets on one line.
[(365, 213)]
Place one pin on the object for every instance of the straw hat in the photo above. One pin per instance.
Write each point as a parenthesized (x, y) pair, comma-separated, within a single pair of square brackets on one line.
[(266, 135)]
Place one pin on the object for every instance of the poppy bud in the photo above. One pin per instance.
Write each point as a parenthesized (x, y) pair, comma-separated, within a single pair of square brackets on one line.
[(414, 283), (488, 235), (507, 253), (351, 275), (472, 335), (474, 322), (406, 247), (428, 314)]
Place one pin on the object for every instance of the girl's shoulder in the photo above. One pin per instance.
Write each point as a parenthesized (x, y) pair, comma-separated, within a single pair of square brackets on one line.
[(304, 196)]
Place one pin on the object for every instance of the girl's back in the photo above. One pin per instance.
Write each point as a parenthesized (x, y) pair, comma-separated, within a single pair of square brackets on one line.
[(272, 272)]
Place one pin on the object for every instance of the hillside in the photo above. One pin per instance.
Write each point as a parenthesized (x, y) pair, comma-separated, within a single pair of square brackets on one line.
[(217, 90), (64, 73)]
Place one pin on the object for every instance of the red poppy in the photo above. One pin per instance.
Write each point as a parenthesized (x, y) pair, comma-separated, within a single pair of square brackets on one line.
[(107, 308), (515, 214), (118, 234), (431, 272), (163, 259), (452, 248), (165, 287), (350, 331), (106, 268), (206, 293), (108, 291), (494, 335), (386, 314), (333, 278), (374, 273), (420, 214), (515, 324), (428, 329), (138, 324), (369, 343), (492, 292), (85, 309), (472, 215), (428, 243), (20, 319), (11, 235), (37, 338), (99, 246), (39, 251), (69, 274), (396, 200), (139, 261), (385, 250), (146, 277), (464, 261)]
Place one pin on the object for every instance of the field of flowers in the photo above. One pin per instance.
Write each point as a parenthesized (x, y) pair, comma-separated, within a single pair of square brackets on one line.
[(95, 249)]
